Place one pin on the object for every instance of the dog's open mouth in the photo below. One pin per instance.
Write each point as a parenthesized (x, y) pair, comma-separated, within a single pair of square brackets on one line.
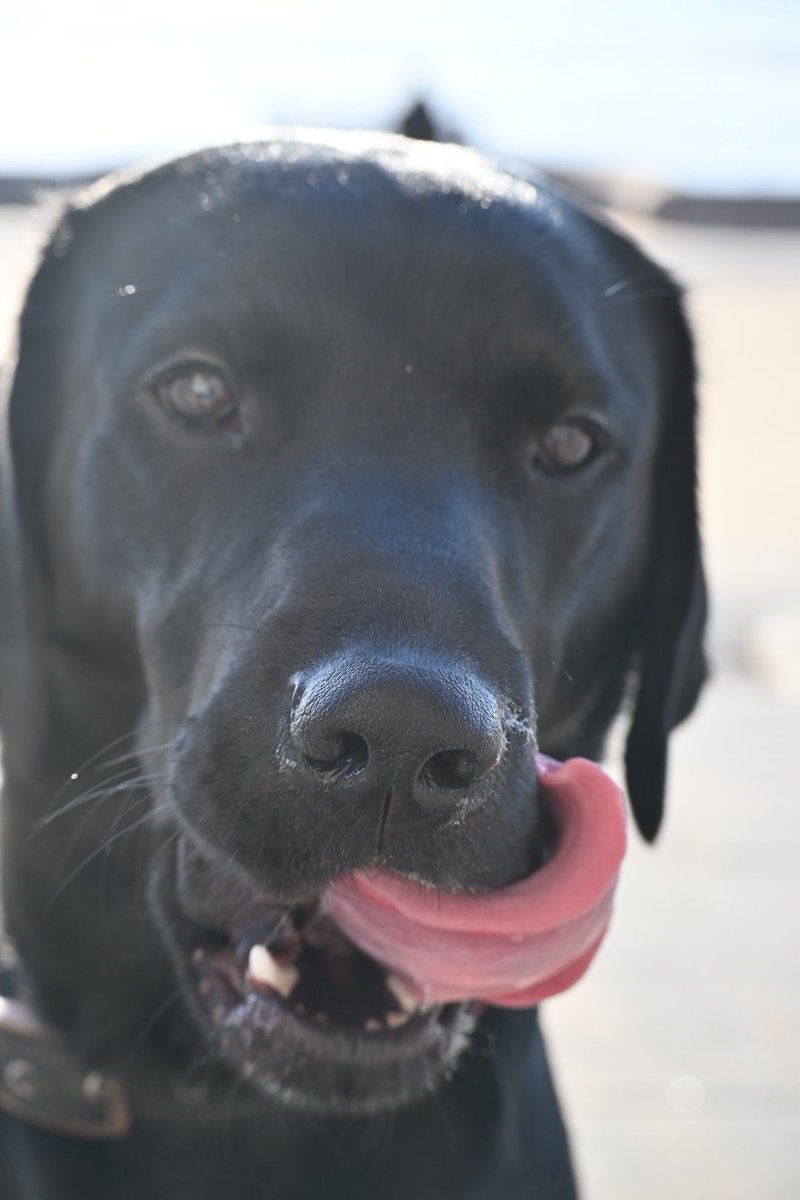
[(301, 963), (293, 1005), (363, 997)]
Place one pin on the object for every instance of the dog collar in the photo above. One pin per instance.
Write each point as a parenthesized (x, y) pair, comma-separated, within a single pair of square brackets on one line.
[(44, 1082)]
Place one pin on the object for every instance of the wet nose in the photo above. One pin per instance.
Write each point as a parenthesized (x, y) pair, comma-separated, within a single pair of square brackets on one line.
[(429, 731)]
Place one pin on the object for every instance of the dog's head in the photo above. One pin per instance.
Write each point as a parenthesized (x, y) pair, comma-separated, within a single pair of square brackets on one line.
[(340, 473)]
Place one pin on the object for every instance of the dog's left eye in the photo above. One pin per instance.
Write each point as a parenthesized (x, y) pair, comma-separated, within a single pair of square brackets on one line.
[(200, 396), (566, 446)]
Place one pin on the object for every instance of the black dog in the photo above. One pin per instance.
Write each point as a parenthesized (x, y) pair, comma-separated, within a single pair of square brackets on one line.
[(340, 471)]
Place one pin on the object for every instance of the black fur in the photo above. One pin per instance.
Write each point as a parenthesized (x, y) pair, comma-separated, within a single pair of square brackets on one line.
[(401, 324)]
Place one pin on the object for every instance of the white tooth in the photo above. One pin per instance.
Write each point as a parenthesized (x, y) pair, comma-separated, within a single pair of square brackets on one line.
[(395, 1019), (263, 968), (373, 1026), (402, 994)]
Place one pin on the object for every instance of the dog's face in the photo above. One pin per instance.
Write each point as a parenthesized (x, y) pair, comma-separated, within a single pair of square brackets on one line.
[(343, 479)]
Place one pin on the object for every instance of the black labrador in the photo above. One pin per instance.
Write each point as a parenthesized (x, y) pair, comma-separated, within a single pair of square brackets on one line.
[(339, 472)]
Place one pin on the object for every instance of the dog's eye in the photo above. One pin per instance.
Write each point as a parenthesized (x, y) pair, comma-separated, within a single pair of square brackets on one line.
[(200, 396), (565, 447)]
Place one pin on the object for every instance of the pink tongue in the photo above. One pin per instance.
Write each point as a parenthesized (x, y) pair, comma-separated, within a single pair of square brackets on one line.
[(515, 946)]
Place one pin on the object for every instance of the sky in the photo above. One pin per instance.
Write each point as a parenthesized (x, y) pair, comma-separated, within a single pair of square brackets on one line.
[(699, 94)]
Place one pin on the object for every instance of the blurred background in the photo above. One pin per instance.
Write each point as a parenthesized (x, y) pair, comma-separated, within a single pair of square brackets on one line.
[(679, 1056)]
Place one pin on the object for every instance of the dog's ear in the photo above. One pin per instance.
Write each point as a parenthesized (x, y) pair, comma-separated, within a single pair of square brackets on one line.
[(25, 391), (20, 597), (671, 663), (29, 390)]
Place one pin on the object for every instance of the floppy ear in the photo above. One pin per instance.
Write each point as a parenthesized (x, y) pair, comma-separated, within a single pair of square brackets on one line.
[(24, 388), (672, 664), (20, 598), (10, 548)]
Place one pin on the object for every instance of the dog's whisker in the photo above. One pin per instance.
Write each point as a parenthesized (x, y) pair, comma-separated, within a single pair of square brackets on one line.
[(227, 625), (164, 847), (150, 1023), (102, 792), (111, 835), (134, 803), (234, 1090), (137, 802), (145, 852), (140, 752), (90, 814), (117, 782), (103, 848), (98, 756), (89, 762), (148, 851)]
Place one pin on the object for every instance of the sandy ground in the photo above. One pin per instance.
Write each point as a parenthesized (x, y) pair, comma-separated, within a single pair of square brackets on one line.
[(679, 1055)]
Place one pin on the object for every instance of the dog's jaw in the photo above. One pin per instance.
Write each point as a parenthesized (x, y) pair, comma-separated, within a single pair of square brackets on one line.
[(295, 1008)]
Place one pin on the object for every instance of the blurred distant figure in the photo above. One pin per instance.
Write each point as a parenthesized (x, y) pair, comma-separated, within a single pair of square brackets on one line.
[(419, 124)]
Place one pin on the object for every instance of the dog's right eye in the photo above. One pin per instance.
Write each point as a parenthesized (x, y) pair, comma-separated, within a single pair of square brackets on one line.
[(199, 395), (567, 446)]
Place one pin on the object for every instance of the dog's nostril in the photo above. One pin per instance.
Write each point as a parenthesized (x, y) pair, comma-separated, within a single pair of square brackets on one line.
[(343, 755), (426, 734), (454, 769)]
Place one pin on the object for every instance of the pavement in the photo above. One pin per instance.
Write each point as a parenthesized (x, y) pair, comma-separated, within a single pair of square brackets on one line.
[(678, 1056)]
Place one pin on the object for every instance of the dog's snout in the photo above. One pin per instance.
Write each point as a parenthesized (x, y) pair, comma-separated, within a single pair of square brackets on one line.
[(429, 732)]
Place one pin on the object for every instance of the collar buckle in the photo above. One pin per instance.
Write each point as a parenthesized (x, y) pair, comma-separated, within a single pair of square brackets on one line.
[(43, 1083)]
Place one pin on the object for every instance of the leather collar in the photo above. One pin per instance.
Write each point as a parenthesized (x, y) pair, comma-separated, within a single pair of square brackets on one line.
[(44, 1083)]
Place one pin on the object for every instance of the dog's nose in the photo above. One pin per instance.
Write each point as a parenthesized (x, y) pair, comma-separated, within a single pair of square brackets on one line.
[(428, 731)]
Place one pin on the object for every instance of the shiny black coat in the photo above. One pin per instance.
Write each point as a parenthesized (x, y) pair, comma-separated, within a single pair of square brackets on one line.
[(399, 329)]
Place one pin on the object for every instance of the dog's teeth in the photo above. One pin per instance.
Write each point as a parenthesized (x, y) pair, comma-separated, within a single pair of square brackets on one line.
[(402, 994), (372, 1025), (264, 969), (395, 1019)]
